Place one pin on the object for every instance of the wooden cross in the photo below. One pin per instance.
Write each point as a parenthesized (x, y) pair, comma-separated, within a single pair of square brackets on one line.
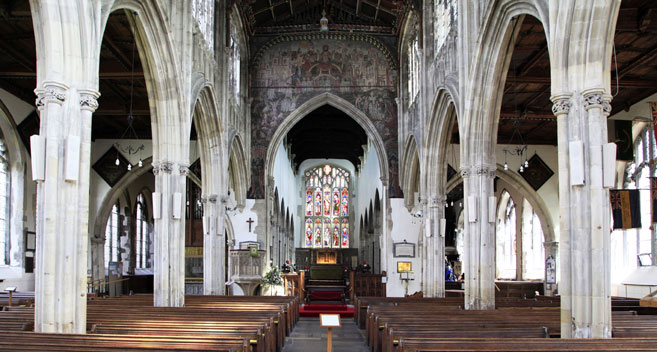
[(250, 222)]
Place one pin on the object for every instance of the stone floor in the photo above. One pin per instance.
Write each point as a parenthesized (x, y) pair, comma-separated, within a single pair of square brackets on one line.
[(309, 336)]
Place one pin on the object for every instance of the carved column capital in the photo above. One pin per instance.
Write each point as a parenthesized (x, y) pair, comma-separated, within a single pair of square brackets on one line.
[(183, 169), (162, 166), (595, 98), (465, 172), (384, 181), (561, 104), (438, 201), (89, 100), (212, 198), (486, 171), (52, 92)]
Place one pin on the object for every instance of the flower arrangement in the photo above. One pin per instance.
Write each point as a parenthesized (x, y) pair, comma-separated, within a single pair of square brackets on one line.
[(272, 277)]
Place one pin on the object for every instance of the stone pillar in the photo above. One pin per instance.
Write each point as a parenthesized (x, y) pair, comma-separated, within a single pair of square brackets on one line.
[(551, 250), (479, 249), (214, 246), (585, 285), (384, 236), (437, 240), (169, 239), (63, 210)]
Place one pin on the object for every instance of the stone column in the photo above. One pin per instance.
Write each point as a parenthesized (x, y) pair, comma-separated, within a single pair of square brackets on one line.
[(169, 239), (479, 256), (437, 240), (384, 237), (214, 246), (63, 210), (585, 216), (551, 250)]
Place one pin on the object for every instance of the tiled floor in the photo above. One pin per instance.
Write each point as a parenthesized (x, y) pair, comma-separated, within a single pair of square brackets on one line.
[(308, 336)]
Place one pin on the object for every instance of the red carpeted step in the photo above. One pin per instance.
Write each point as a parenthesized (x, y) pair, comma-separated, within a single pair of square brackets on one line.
[(321, 295), (314, 310)]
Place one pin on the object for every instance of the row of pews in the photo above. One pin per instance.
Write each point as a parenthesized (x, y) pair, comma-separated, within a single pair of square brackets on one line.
[(132, 323), (440, 324)]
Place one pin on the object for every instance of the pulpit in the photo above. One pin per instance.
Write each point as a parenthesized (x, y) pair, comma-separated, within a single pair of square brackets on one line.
[(247, 268)]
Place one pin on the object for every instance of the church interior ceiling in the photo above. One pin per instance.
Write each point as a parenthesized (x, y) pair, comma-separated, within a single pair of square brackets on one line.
[(267, 16)]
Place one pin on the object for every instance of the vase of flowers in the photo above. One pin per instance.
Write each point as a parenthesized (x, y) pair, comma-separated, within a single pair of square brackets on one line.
[(271, 282)]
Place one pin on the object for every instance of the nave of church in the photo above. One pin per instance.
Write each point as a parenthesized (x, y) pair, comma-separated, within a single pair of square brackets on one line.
[(482, 156)]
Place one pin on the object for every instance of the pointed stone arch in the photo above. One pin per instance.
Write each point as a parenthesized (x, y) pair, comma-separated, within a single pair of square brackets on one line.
[(310, 106)]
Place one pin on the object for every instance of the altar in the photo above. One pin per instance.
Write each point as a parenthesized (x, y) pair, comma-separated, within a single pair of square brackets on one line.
[(305, 257)]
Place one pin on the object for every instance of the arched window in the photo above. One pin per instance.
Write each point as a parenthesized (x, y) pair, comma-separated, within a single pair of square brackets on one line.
[(413, 57), (506, 239), (112, 236), (4, 204), (235, 67), (141, 233), (533, 251), (327, 207), (443, 13), (203, 13), (633, 247)]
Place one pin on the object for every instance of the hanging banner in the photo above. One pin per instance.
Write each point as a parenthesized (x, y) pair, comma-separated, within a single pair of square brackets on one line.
[(625, 208), (625, 150)]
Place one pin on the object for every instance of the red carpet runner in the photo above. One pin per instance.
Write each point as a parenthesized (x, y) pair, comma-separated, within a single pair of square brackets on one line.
[(314, 310)]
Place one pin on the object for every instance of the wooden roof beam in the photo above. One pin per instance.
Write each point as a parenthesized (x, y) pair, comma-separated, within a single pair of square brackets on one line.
[(383, 8), (376, 14), (642, 60), (532, 61), (357, 7)]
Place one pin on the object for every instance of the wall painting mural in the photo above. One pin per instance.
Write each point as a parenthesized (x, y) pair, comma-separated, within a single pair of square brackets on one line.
[(289, 71)]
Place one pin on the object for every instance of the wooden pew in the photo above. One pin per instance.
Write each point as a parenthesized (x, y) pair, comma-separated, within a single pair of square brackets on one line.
[(427, 344), (260, 323)]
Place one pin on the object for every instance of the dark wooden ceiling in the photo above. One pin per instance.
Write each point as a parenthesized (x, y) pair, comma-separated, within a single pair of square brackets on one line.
[(327, 133), (526, 92), (280, 13), (117, 77)]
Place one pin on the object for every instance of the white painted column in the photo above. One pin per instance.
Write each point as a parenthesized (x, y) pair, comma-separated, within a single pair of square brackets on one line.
[(551, 250), (214, 246), (63, 209), (479, 256), (386, 229), (169, 239), (585, 285), (437, 239)]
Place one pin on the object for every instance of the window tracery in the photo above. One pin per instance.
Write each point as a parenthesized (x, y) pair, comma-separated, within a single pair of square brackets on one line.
[(327, 207)]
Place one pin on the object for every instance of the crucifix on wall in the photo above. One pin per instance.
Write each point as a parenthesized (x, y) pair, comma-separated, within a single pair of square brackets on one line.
[(250, 221)]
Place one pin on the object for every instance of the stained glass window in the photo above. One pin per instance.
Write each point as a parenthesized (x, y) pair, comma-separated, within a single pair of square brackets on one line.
[(327, 207)]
